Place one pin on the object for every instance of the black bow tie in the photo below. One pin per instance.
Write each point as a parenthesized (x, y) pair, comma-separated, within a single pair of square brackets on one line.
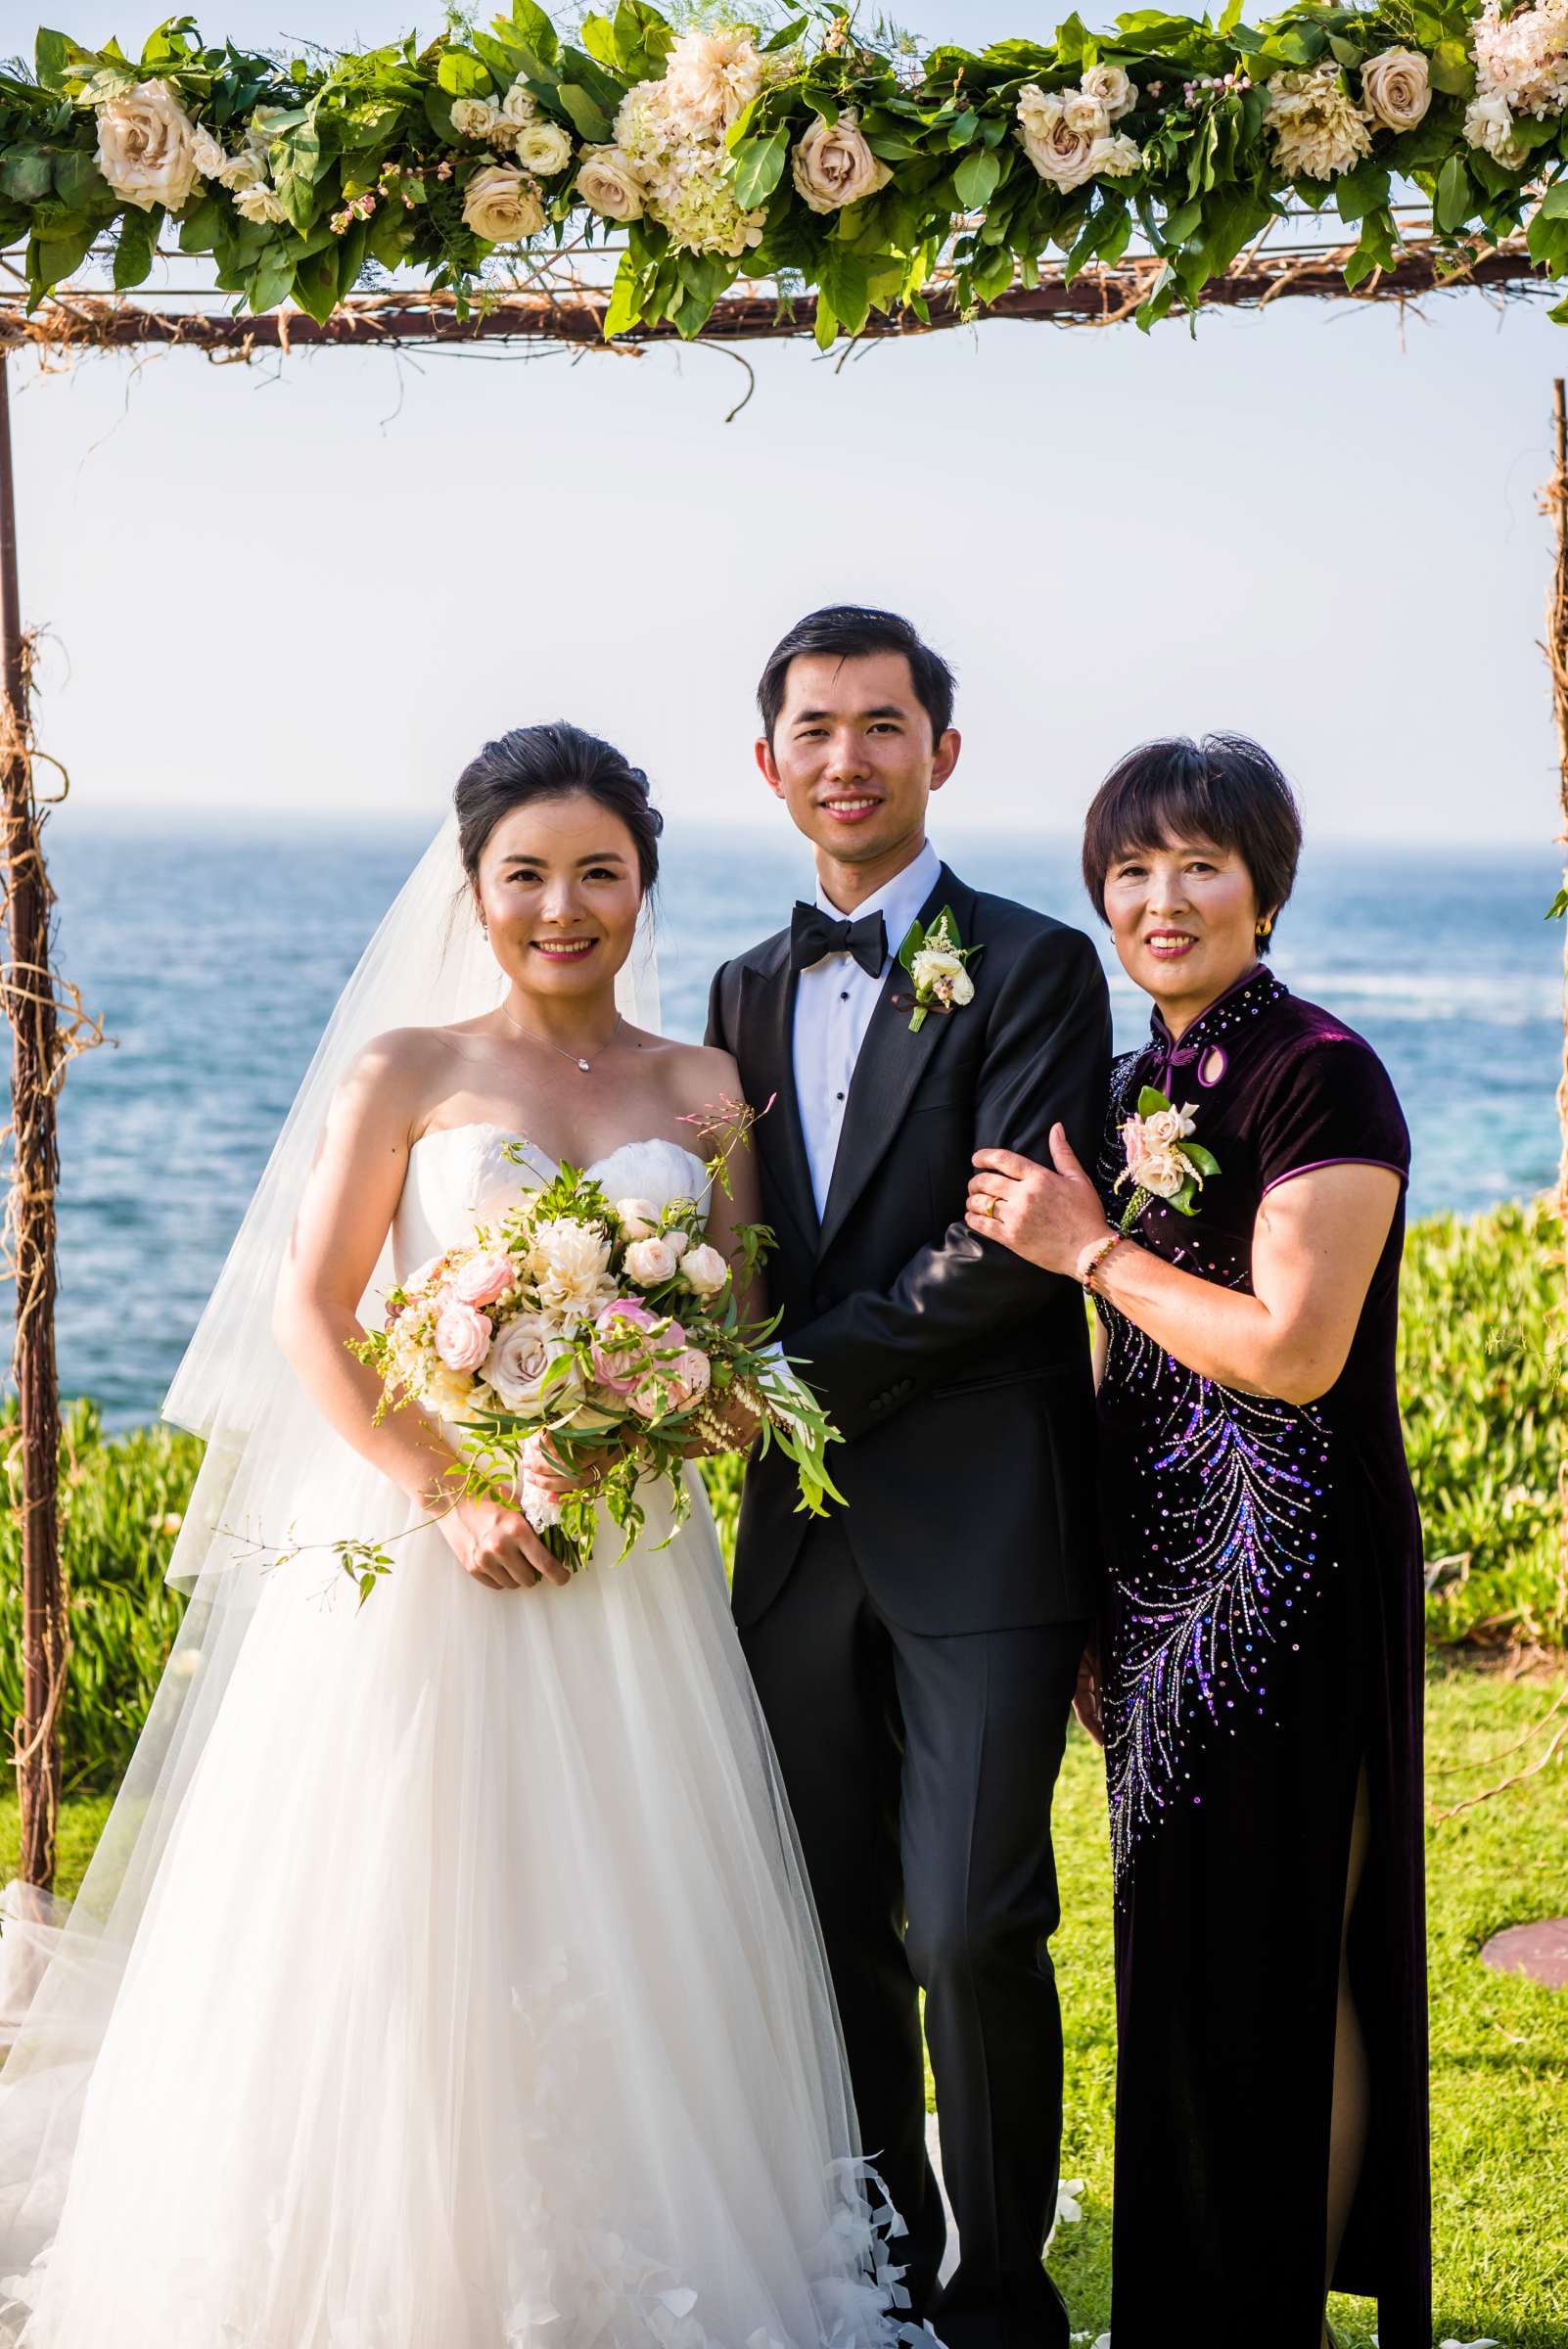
[(813, 934)]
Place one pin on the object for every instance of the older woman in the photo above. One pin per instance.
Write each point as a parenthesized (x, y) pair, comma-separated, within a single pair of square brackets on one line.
[(1260, 1679)]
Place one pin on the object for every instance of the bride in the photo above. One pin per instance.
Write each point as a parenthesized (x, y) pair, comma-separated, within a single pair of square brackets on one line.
[(445, 1977)]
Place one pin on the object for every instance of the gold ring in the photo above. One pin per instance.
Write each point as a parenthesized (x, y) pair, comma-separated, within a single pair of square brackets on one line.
[(991, 1207)]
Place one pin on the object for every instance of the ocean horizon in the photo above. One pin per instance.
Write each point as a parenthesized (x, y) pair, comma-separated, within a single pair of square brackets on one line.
[(213, 958)]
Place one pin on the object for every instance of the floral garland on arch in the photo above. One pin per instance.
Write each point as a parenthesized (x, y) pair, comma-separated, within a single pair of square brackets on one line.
[(833, 161)]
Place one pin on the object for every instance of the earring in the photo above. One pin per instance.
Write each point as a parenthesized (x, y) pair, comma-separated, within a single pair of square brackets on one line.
[(1266, 925)]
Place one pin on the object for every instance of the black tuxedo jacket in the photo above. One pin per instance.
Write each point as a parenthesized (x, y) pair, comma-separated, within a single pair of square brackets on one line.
[(958, 1375)]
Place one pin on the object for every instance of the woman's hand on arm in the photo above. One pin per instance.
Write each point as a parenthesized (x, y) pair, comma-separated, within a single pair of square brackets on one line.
[(344, 1215), (1317, 1240)]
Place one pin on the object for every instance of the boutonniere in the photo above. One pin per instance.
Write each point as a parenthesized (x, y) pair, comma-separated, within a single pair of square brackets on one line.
[(1163, 1161), (935, 960)]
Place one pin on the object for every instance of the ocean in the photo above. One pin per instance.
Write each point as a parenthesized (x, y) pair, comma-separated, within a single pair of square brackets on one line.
[(214, 957)]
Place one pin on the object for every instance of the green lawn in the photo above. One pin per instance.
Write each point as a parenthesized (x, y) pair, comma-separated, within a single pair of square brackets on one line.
[(1499, 2089)]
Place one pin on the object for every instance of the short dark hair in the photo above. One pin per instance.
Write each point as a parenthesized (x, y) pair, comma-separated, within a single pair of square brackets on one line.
[(1224, 788), (550, 763), (853, 632)]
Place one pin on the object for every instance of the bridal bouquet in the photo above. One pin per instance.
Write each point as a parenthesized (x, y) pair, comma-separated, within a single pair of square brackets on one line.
[(588, 1338)]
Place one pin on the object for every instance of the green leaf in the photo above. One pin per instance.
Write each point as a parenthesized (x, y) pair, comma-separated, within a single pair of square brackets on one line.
[(461, 74), (52, 56), (135, 247), (914, 938), (529, 20), (315, 285), (1452, 69), (1361, 191), (624, 298), (1230, 20), (588, 118), (786, 37), (54, 258), (1557, 911), (273, 280), (1456, 195), (975, 179), (598, 36), (297, 163), (1151, 1102), (760, 166), (27, 174), (78, 182), (1204, 1160)]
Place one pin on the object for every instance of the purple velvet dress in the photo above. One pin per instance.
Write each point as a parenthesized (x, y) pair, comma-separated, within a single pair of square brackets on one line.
[(1264, 1639)]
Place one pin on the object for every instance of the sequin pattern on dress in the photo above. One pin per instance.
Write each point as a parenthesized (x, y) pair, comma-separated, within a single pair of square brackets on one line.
[(1231, 1493)]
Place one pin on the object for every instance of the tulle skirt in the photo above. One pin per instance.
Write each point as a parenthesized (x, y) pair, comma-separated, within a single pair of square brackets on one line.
[(474, 2000)]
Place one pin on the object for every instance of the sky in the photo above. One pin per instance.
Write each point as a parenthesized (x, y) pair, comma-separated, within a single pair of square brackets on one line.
[(315, 585)]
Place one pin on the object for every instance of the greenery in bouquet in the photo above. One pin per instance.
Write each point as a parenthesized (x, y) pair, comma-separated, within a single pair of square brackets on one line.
[(818, 152), (594, 1344)]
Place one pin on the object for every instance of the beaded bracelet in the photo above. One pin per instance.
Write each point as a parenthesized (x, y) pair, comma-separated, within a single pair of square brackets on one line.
[(1112, 1239)]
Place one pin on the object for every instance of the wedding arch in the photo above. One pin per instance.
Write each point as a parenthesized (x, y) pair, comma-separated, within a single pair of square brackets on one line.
[(625, 183)]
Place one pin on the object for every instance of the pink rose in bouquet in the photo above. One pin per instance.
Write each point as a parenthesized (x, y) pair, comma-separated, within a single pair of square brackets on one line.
[(621, 1344), (483, 1278), (462, 1336)]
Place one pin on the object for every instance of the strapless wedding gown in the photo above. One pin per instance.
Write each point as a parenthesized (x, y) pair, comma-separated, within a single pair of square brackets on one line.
[(478, 2001)]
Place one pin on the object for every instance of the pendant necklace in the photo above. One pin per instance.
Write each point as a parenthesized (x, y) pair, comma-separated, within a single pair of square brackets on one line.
[(586, 1066)]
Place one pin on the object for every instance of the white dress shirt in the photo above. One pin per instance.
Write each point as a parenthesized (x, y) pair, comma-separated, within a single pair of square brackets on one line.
[(833, 1005)]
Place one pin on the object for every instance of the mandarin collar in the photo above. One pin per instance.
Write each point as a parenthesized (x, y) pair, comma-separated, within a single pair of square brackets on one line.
[(1256, 992)]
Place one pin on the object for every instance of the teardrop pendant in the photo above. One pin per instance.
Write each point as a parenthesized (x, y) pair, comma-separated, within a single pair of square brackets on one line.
[(586, 1066)]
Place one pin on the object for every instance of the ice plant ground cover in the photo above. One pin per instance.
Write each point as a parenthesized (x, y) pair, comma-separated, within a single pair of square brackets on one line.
[(1500, 2042), (827, 157)]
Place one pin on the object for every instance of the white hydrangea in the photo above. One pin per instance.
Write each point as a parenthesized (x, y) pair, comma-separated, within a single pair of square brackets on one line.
[(1521, 58), (688, 181)]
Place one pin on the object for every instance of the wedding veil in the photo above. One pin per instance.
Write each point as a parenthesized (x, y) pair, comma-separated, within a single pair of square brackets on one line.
[(427, 964)]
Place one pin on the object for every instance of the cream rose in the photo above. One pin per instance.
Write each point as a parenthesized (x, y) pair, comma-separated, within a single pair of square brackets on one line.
[(1114, 158), (711, 78), (1168, 1126), (832, 166), (1081, 113), (678, 1240), (475, 118), (649, 1262), (449, 1394), (518, 106), (704, 1271), (1058, 152), (501, 206), (608, 184), (1397, 87), (147, 147), (1112, 89), (1162, 1173), (207, 155), (638, 1218), (258, 204), (247, 170), (543, 147), (522, 1358)]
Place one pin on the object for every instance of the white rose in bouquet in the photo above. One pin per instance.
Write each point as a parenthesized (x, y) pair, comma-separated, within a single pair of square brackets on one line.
[(832, 166), (522, 1358), (638, 1218), (259, 204), (1170, 1125), (520, 105), (608, 184), (543, 147), (475, 118), (1397, 87), (678, 1240), (1489, 125), (1080, 112), (1058, 151), (1111, 89), (500, 205), (247, 170), (207, 155), (147, 147), (649, 1262), (704, 1271)]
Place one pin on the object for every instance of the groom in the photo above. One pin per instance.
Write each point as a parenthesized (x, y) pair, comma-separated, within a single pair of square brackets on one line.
[(916, 1653)]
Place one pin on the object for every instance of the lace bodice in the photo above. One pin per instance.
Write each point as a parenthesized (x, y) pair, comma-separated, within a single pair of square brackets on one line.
[(460, 1176)]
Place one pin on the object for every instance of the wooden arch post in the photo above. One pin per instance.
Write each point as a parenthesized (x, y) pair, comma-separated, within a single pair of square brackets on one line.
[(31, 1235)]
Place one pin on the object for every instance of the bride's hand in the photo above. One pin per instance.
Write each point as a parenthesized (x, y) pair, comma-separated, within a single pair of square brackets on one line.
[(1051, 1216), (498, 1546)]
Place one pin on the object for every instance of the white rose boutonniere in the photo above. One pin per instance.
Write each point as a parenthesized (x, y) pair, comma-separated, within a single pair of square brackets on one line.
[(936, 962), (1163, 1161)]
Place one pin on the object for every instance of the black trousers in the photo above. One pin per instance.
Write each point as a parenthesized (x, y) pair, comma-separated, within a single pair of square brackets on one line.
[(920, 1772)]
